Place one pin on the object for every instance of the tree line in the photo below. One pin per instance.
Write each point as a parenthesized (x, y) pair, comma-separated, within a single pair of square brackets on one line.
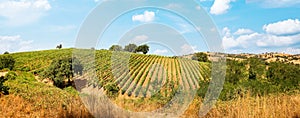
[(257, 77), (131, 48)]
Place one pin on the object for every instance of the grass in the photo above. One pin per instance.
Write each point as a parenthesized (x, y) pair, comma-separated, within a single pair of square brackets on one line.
[(29, 98), (271, 106)]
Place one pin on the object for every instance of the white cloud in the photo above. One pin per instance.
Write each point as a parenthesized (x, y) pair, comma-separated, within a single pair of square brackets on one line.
[(160, 52), (220, 6), (198, 7), (276, 3), (147, 16), (14, 44), (173, 6), (139, 39), (228, 39), (283, 27), (184, 28), (266, 40), (58, 28), (187, 49), (21, 12), (243, 31), (257, 40), (292, 50), (100, 0)]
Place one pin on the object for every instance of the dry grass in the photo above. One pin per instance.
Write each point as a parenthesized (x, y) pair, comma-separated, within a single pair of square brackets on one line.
[(273, 106), (15, 106), (279, 106)]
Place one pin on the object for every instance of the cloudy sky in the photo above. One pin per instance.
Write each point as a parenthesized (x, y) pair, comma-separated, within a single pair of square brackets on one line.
[(250, 26)]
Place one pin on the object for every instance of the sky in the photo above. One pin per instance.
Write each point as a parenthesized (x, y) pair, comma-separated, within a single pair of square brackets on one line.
[(244, 26)]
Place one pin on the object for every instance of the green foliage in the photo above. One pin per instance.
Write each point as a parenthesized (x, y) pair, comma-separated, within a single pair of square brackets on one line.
[(112, 89), (142, 48), (62, 69), (284, 75), (200, 56), (3, 89), (10, 76), (7, 61), (116, 48), (6, 52), (59, 46), (265, 79), (257, 68), (236, 71), (41, 95), (130, 47), (37, 61), (71, 90)]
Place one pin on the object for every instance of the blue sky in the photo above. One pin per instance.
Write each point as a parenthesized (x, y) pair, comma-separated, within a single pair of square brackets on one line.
[(245, 26)]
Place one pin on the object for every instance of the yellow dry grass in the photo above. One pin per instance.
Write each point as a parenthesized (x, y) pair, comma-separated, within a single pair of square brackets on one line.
[(273, 106), (17, 107)]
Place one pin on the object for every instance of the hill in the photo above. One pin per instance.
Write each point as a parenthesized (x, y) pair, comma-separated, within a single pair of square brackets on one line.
[(140, 82), (144, 70)]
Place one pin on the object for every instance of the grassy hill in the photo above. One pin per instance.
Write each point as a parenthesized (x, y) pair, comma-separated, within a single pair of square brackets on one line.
[(140, 82), (144, 70)]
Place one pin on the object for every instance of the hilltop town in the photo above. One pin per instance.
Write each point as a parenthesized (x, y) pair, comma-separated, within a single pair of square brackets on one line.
[(268, 57)]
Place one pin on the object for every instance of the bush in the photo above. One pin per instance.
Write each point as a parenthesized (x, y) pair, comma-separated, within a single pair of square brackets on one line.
[(7, 61), (200, 56), (10, 76), (63, 69), (112, 89), (130, 47), (116, 48), (142, 48), (3, 89)]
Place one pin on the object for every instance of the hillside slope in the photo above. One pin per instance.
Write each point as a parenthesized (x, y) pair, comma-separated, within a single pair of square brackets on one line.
[(142, 76)]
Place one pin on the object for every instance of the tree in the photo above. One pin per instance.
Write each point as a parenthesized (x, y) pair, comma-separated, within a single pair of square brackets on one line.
[(63, 69), (59, 46), (6, 52), (3, 89), (142, 48), (7, 61), (256, 68), (130, 47), (200, 56), (285, 75), (235, 71), (115, 48)]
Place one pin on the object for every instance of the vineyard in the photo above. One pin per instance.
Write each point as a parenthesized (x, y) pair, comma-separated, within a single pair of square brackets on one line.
[(137, 75), (148, 74), (141, 82), (140, 75)]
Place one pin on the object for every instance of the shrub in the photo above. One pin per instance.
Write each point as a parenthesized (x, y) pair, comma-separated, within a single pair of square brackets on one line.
[(115, 48), (10, 76), (7, 61), (200, 56), (130, 47), (142, 48), (63, 69), (112, 89), (3, 89)]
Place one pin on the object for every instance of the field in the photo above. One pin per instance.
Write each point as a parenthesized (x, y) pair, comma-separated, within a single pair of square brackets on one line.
[(147, 82)]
